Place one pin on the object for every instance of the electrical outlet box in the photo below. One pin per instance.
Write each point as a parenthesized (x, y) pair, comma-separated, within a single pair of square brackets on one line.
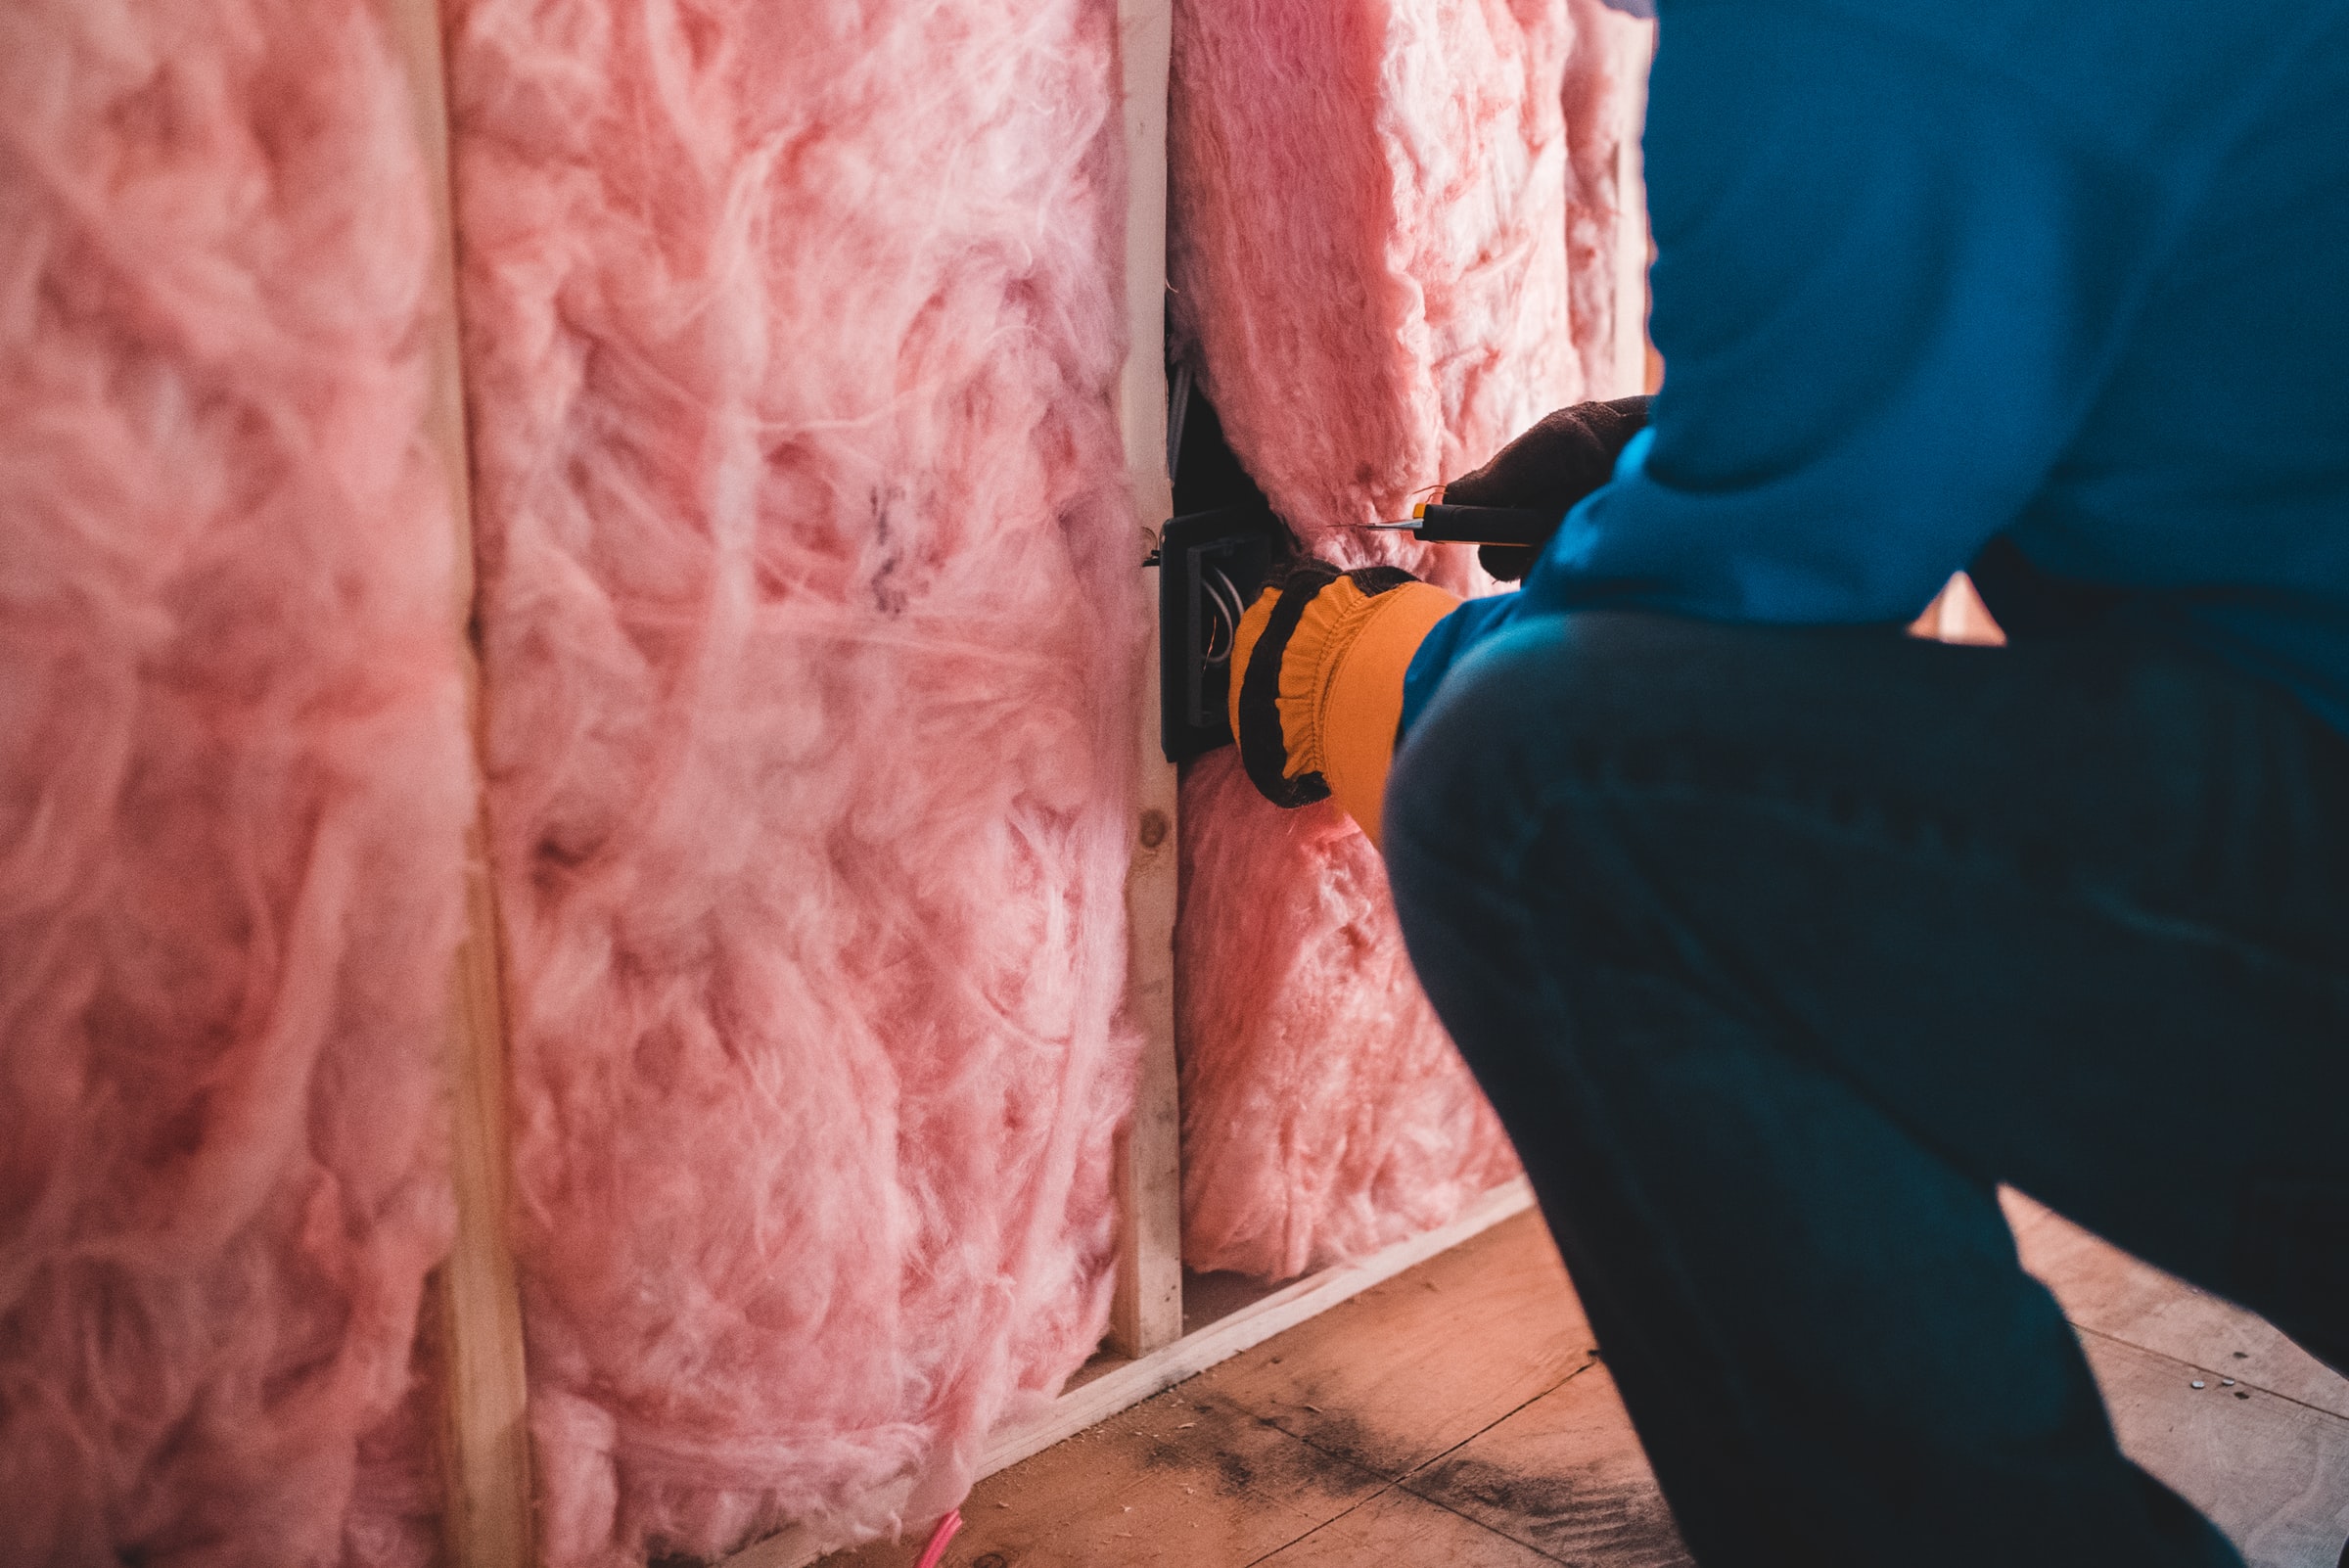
[(1211, 566), (1213, 560)]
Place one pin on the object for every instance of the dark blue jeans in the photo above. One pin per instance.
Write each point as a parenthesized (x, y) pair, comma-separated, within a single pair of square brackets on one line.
[(1778, 949)]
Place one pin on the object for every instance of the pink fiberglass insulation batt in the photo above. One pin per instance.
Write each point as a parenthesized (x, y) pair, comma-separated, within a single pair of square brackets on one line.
[(234, 786), (1325, 1112), (811, 628), (1394, 227)]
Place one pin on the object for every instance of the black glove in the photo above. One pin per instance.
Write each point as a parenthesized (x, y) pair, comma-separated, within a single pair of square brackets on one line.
[(1562, 459)]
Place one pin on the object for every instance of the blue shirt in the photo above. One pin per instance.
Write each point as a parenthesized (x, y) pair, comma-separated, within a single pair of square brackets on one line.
[(2067, 275)]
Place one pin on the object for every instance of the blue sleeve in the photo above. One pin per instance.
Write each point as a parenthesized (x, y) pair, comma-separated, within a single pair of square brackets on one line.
[(1890, 274)]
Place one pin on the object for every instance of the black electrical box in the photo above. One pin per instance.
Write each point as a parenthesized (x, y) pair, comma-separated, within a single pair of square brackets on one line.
[(1211, 566), (1213, 560)]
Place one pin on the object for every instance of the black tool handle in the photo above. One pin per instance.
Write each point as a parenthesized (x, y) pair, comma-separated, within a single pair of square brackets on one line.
[(1486, 525)]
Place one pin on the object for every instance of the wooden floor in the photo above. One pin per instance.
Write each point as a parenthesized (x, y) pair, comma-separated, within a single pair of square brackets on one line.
[(1458, 1416)]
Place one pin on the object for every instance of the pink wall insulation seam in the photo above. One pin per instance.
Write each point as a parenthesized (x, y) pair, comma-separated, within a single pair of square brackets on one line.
[(234, 783), (1392, 240), (812, 620)]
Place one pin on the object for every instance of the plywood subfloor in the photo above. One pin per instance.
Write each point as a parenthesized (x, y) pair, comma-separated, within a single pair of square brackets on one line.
[(1458, 1415)]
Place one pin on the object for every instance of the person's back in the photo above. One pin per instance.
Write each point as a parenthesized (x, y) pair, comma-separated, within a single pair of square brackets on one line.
[(1938, 271), (2210, 475)]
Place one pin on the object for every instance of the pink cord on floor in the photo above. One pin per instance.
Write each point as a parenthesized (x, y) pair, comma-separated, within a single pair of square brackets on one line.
[(935, 1552)]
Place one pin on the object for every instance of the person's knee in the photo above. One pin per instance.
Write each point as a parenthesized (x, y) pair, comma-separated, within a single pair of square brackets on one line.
[(1504, 725), (1489, 832), (1568, 773)]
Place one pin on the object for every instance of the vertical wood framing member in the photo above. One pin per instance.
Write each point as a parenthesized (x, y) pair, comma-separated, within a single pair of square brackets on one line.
[(485, 1433), (1146, 1309)]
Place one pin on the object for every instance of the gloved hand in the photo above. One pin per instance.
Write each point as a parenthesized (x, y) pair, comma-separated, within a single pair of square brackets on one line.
[(1553, 465), (1316, 688)]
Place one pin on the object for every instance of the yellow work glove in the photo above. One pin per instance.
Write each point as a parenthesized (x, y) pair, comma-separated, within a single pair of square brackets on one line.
[(1316, 688)]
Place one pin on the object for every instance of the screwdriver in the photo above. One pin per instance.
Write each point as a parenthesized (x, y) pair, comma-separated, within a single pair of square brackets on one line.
[(1439, 524)]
